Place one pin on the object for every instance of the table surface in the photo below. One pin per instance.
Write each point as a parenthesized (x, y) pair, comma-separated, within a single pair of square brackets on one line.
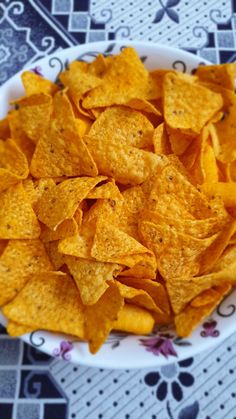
[(34, 385)]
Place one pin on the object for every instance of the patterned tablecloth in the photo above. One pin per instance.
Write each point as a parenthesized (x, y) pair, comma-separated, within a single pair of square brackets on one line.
[(33, 385)]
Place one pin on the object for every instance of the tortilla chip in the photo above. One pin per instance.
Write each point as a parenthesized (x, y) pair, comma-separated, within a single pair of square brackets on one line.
[(160, 140), (223, 74), (60, 151), (67, 228), (186, 321), (209, 296), (173, 183), (113, 245), (134, 319), (227, 191), (17, 219), (146, 268), (3, 244), (61, 201), (126, 164), (227, 258), (155, 289), (123, 126), (138, 297), (15, 329), (91, 277), (19, 136), (4, 129), (182, 290), (179, 141), (83, 125), (80, 78), (100, 317), (199, 229), (34, 113), (108, 190), (20, 259), (177, 254), (143, 106), (116, 87), (49, 301), (215, 250), (54, 255), (13, 164), (225, 130), (35, 84), (187, 105)]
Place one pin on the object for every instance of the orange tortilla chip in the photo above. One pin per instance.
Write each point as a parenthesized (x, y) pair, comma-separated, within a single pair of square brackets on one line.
[(19, 136), (60, 151), (186, 321), (116, 87), (61, 201), (49, 301), (67, 228), (127, 165), (155, 289), (15, 329), (91, 277), (187, 105), (160, 140), (17, 219), (35, 84), (4, 129), (108, 190), (177, 254), (34, 113), (55, 256), (100, 317), (14, 165), (138, 297), (113, 245), (227, 191), (20, 259), (223, 74), (179, 141), (123, 126)]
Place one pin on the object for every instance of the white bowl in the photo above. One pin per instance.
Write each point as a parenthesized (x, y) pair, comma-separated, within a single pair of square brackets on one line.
[(121, 350)]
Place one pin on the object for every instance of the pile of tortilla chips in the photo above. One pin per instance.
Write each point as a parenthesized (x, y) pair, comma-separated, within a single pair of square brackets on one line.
[(118, 199)]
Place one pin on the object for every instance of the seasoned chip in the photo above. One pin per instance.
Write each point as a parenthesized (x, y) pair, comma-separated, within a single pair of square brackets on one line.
[(55, 256), (17, 219), (155, 289), (34, 84), (15, 329), (177, 254), (108, 190), (13, 164), (223, 75), (61, 201), (186, 321), (134, 319), (20, 259), (126, 164), (49, 301), (4, 129), (123, 126), (113, 245), (138, 297), (187, 105), (160, 140), (34, 113), (179, 141), (67, 228), (80, 78), (100, 317), (19, 136), (182, 290), (91, 277), (3, 244), (227, 191), (60, 151), (143, 106), (125, 78)]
